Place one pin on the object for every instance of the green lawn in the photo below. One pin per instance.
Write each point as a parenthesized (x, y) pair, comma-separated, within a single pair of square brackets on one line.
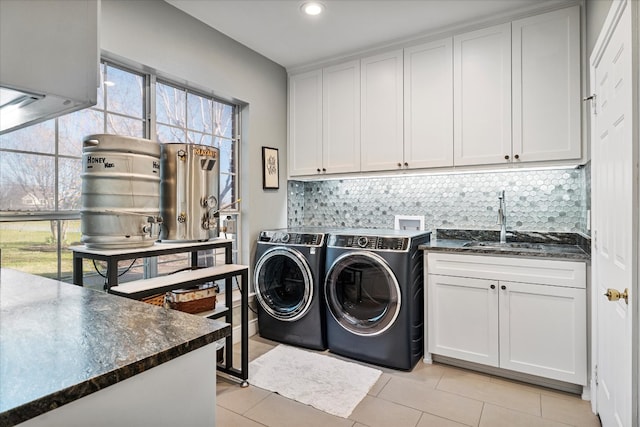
[(28, 247)]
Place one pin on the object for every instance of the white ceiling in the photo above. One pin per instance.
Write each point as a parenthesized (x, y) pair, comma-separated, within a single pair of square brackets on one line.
[(278, 30)]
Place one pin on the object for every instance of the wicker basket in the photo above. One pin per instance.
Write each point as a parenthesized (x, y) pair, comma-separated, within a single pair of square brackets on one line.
[(195, 306), (194, 300), (155, 300)]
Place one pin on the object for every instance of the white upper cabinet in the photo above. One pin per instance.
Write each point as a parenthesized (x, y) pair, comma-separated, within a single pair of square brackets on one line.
[(382, 115), (502, 95), (324, 120), (341, 118), (50, 54), (305, 123), (428, 105), (482, 96), (546, 86)]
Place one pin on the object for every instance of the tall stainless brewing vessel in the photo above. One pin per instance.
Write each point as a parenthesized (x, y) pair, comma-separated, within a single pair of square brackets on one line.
[(189, 191), (120, 192)]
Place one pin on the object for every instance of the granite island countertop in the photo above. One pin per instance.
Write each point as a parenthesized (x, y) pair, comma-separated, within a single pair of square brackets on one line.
[(60, 342), (554, 245)]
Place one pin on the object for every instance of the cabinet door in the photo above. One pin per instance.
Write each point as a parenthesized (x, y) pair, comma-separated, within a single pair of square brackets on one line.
[(341, 118), (428, 105), (546, 86), (482, 96), (305, 123), (463, 318), (381, 120), (543, 331)]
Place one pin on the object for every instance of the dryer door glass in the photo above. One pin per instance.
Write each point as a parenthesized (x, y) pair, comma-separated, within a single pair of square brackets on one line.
[(362, 293), (284, 283)]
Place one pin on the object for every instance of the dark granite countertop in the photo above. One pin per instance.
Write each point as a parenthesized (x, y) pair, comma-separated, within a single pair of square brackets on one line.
[(60, 342), (569, 246)]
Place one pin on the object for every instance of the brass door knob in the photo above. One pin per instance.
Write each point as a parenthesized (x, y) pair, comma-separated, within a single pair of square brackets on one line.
[(615, 295)]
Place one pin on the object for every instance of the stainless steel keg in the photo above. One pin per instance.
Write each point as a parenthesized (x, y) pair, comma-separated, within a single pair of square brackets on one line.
[(189, 191), (120, 192)]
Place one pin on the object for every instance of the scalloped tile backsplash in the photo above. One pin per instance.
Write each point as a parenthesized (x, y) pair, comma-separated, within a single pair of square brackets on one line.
[(541, 200)]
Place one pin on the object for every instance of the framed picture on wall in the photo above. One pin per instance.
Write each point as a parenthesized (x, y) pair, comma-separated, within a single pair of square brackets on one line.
[(270, 169)]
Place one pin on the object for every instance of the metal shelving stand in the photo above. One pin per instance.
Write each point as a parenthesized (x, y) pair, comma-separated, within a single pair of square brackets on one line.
[(146, 287)]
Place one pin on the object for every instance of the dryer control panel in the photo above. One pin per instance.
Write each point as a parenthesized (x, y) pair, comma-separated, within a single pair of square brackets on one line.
[(369, 242), (292, 238)]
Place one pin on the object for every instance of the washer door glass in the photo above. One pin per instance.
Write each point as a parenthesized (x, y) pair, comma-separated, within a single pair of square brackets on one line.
[(362, 293), (284, 283)]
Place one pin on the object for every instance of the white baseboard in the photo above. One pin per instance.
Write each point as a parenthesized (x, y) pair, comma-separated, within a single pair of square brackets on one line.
[(253, 329), (518, 376)]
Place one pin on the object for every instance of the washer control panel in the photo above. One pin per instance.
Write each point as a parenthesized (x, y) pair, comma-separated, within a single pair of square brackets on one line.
[(369, 242), (291, 238)]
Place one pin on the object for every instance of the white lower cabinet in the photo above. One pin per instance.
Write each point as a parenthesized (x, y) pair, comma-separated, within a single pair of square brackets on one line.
[(463, 318), (524, 315)]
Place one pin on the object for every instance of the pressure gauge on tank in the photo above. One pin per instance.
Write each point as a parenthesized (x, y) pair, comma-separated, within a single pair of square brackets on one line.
[(211, 202)]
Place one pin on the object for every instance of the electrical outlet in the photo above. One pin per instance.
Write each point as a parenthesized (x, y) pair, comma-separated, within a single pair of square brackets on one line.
[(409, 222), (229, 225)]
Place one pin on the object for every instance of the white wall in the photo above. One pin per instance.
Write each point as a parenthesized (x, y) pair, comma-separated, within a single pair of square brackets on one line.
[(172, 43)]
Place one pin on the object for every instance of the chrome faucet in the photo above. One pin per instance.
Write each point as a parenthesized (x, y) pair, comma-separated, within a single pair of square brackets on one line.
[(502, 218)]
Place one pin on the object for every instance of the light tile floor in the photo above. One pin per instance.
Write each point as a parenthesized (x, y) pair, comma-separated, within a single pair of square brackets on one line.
[(429, 396)]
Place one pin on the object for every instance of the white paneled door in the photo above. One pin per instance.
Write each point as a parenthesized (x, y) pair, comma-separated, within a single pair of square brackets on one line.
[(615, 215)]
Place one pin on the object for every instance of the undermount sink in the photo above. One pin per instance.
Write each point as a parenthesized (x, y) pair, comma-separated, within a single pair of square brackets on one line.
[(507, 245)]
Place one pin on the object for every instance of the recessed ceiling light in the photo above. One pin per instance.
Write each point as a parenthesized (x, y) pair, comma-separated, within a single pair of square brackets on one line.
[(312, 8)]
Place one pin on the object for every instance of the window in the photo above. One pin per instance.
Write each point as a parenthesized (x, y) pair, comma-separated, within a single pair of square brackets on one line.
[(40, 165), (188, 117)]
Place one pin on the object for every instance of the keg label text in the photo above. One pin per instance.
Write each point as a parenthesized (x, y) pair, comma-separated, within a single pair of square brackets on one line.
[(99, 161), (205, 152)]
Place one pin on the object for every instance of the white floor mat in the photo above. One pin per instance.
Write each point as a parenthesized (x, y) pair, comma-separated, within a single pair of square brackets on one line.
[(331, 385)]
